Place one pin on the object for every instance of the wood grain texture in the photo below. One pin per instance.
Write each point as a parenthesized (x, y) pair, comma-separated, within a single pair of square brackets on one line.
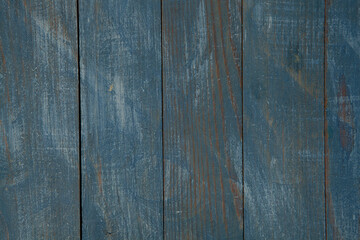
[(39, 180), (121, 119), (284, 119), (202, 119), (342, 115)]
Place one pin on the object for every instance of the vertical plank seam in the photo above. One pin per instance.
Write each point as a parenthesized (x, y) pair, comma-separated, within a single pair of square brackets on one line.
[(79, 117), (242, 112), (162, 120), (325, 119)]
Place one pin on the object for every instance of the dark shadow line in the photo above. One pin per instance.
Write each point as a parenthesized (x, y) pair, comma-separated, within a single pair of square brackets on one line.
[(325, 119), (79, 114), (242, 113), (162, 120)]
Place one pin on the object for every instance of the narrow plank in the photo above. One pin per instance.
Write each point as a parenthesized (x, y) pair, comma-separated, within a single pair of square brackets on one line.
[(39, 180), (342, 115), (121, 119), (202, 119), (284, 119)]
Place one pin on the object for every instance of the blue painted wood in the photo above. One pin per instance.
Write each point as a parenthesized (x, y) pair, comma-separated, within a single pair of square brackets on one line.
[(202, 119), (39, 180), (121, 119), (284, 119), (342, 115), (292, 64)]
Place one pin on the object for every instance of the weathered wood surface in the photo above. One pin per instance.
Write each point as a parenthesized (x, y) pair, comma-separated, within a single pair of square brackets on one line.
[(343, 124), (39, 180), (202, 119), (284, 119), (163, 101), (120, 67)]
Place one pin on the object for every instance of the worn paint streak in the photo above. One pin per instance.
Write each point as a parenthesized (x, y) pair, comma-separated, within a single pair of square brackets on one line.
[(202, 79), (39, 189), (283, 120), (342, 113), (301, 77), (346, 122), (121, 119)]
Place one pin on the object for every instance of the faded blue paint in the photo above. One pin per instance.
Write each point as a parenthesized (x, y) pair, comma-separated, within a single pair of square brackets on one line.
[(283, 119), (122, 176), (343, 113), (202, 119), (39, 180), (121, 119)]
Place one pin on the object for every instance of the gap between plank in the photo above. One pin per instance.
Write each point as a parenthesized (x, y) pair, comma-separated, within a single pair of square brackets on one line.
[(325, 120), (242, 113), (79, 115), (162, 120)]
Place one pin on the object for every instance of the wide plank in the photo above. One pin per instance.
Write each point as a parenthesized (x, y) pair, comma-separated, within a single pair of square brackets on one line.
[(284, 119), (202, 51), (343, 119), (39, 170), (121, 136)]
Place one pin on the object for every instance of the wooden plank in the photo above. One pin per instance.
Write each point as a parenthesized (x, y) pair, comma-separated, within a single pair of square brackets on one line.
[(39, 180), (121, 119), (284, 119), (202, 119), (342, 115)]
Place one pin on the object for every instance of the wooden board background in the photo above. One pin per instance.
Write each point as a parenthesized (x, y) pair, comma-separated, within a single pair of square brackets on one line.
[(196, 119), (343, 119), (39, 180), (120, 62), (284, 119), (202, 119)]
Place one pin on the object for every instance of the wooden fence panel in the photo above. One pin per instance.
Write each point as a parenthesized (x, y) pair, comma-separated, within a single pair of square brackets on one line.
[(202, 51), (39, 170), (284, 119), (121, 119), (343, 119)]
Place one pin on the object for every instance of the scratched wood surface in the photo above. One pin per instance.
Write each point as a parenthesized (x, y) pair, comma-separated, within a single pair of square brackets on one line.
[(121, 119), (202, 119), (284, 119), (39, 180), (342, 115), (199, 119)]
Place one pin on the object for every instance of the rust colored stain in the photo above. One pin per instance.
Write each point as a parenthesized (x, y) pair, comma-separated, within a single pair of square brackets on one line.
[(233, 47), (231, 94), (8, 155), (223, 202), (335, 231), (231, 171), (214, 116), (98, 170), (215, 198), (346, 117), (2, 56), (4, 66), (222, 113), (238, 199)]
